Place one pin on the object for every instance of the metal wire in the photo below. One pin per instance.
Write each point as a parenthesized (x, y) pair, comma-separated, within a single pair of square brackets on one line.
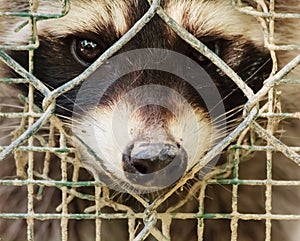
[(24, 143)]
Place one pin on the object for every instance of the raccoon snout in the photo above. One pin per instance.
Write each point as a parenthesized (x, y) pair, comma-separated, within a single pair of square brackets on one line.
[(154, 163), (147, 158)]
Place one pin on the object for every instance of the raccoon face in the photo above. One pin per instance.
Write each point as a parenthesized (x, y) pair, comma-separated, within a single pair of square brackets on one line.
[(148, 125)]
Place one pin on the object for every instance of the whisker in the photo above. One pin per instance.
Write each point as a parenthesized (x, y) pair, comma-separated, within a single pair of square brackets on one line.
[(5, 137), (246, 81), (231, 122), (259, 68), (12, 106), (73, 112), (226, 115), (7, 128), (226, 130)]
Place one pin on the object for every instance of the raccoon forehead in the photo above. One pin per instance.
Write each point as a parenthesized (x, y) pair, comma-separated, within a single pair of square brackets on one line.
[(200, 17), (93, 16), (212, 18)]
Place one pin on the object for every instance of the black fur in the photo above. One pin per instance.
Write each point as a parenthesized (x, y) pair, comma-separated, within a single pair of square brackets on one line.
[(55, 63)]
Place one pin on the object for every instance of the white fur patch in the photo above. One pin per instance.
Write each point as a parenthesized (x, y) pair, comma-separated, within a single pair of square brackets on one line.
[(109, 130), (88, 16), (205, 18)]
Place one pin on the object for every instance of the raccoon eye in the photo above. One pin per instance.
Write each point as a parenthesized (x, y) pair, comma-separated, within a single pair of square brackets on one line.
[(86, 51), (215, 46)]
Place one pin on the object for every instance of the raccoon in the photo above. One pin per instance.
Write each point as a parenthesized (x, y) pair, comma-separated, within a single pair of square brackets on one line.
[(150, 126)]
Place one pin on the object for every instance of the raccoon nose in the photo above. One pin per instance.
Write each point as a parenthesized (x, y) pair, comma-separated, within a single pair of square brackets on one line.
[(148, 158), (162, 160)]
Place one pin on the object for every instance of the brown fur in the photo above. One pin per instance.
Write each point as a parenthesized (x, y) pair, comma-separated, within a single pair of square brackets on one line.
[(200, 18)]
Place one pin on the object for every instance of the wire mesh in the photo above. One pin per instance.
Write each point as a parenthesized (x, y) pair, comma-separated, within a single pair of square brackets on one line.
[(29, 140)]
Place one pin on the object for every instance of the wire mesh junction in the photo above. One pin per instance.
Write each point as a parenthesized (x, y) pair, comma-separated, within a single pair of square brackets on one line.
[(30, 146)]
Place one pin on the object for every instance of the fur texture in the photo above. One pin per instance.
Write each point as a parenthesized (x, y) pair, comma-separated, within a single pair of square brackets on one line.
[(236, 37)]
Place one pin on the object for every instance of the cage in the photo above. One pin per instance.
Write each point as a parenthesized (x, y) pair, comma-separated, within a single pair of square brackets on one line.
[(45, 170)]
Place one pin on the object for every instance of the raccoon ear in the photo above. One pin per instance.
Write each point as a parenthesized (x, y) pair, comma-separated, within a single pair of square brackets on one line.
[(86, 51)]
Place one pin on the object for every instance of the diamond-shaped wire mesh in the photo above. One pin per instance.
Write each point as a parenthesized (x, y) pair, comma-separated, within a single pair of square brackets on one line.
[(40, 141)]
